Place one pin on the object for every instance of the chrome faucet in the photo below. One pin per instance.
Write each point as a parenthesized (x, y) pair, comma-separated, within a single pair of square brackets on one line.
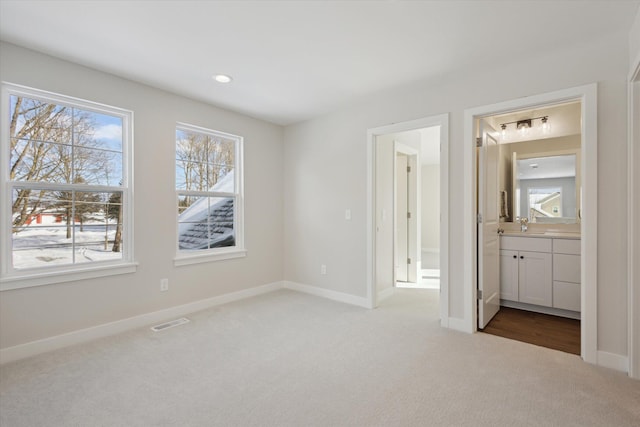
[(524, 224)]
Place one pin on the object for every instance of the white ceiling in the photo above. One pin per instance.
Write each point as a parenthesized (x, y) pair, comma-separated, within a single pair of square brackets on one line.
[(292, 61), (547, 167)]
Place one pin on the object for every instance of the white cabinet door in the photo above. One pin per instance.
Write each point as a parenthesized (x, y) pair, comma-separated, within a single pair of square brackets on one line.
[(509, 275), (566, 268), (566, 295), (535, 278)]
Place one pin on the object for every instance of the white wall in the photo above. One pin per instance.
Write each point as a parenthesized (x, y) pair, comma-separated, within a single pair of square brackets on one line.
[(339, 140), (38, 312), (634, 39), (430, 216)]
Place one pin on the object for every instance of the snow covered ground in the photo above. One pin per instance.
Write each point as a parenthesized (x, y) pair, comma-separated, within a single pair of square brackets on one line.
[(42, 245)]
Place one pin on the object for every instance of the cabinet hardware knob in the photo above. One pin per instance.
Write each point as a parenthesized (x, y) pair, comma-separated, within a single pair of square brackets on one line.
[(515, 256), (521, 257)]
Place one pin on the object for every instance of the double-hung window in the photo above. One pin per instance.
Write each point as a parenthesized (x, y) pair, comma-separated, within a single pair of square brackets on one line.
[(66, 201), (209, 202)]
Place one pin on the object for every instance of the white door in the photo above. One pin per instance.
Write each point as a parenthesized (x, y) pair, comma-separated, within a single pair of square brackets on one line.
[(488, 222), (402, 224)]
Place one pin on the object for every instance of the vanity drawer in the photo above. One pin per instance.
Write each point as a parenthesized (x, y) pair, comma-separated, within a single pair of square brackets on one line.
[(566, 295), (566, 268), (566, 246), (531, 244)]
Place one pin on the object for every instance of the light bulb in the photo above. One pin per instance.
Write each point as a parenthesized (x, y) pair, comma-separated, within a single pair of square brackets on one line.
[(546, 127), (504, 132)]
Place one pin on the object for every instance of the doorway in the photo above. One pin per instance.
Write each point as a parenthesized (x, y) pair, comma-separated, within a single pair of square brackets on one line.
[(587, 246), (529, 190), (401, 143)]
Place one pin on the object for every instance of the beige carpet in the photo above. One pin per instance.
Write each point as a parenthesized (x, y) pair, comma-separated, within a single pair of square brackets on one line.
[(290, 359)]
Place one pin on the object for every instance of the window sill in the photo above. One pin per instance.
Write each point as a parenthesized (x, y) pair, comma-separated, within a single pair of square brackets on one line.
[(181, 259), (30, 279)]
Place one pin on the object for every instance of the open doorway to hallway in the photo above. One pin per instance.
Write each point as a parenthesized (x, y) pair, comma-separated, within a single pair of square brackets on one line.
[(409, 185), (427, 194)]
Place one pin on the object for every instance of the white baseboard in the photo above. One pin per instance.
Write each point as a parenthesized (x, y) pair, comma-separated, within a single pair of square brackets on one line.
[(457, 324), (383, 295), (540, 309), (329, 294), (33, 348), (613, 361)]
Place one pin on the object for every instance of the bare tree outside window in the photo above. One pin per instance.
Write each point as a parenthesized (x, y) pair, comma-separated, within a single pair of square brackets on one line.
[(206, 186), (65, 162)]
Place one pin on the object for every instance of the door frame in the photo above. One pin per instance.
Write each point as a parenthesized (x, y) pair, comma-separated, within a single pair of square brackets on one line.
[(441, 120), (413, 201), (587, 95), (633, 186)]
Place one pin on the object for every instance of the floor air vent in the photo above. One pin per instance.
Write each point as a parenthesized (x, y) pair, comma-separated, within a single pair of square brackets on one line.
[(171, 324)]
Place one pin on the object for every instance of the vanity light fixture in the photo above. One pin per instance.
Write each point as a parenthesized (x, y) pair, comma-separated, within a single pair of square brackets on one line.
[(222, 78), (524, 125)]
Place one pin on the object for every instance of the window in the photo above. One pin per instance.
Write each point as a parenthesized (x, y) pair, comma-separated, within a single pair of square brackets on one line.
[(209, 195), (65, 166)]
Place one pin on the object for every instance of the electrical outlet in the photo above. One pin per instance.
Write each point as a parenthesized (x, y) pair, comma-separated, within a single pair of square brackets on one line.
[(164, 285), (323, 269), (347, 214)]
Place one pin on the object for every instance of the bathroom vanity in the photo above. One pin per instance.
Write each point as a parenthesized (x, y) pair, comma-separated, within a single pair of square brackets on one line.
[(540, 271)]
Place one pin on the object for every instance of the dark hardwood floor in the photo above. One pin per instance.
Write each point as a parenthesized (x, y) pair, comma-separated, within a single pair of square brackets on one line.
[(558, 333)]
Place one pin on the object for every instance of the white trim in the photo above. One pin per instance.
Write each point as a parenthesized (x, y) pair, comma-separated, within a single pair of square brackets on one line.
[(11, 278), (613, 361), (455, 323), (200, 257), (430, 250), (441, 120), (587, 94), (33, 348), (541, 309), (326, 293), (387, 293), (633, 287), (46, 277)]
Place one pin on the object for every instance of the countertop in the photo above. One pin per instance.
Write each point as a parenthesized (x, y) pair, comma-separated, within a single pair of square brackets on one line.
[(545, 234)]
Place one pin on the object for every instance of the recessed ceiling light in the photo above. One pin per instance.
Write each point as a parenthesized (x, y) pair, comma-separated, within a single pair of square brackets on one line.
[(222, 78)]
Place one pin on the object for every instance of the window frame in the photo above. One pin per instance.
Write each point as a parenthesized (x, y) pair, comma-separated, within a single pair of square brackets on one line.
[(188, 257), (11, 278)]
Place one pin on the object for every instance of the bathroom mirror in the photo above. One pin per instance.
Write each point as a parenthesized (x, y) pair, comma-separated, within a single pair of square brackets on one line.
[(546, 188)]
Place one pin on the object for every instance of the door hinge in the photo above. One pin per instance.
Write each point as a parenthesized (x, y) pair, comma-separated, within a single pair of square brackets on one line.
[(479, 294), (479, 218), (408, 260), (408, 215), (479, 141), (408, 169)]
